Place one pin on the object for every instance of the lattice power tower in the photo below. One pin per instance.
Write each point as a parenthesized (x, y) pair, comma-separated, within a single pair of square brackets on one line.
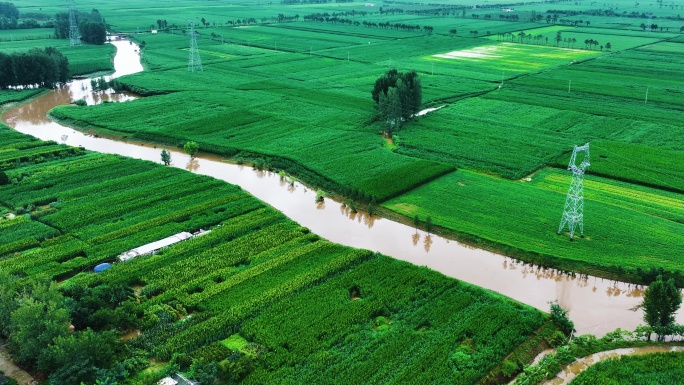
[(74, 34), (573, 213), (194, 62)]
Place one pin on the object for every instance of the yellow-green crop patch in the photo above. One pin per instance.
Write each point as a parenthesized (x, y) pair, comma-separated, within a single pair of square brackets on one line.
[(514, 57)]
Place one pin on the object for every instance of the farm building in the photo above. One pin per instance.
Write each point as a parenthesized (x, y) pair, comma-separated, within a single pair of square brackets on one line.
[(176, 379), (151, 248)]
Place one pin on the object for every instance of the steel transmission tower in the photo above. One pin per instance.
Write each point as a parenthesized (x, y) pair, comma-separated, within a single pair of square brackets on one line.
[(194, 62), (573, 212), (74, 35)]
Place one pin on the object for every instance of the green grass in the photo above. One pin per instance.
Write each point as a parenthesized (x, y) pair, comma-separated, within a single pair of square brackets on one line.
[(9, 96), (235, 342), (657, 368)]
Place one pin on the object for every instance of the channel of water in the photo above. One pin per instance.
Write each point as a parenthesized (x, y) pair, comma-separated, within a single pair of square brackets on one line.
[(596, 305)]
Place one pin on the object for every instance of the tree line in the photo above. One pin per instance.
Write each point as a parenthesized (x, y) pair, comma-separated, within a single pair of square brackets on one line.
[(43, 68)]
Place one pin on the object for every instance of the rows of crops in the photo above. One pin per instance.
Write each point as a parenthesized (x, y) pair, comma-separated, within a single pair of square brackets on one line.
[(629, 229), (659, 368), (336, 312)]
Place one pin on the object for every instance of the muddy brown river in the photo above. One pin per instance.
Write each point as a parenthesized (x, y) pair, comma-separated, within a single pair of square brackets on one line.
[(595, 305)]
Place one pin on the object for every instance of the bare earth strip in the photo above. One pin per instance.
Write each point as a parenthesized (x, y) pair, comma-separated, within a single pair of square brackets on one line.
[(13, 371)]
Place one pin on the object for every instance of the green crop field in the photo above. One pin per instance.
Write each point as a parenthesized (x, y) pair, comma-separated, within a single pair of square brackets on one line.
[(287, 85), (525, 216), (9, 96), (658, 368), (258, 285), (520, 87)]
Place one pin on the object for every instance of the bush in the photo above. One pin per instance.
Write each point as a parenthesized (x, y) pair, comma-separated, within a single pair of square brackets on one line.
[(80, 102), (509, 368), (4, 179)]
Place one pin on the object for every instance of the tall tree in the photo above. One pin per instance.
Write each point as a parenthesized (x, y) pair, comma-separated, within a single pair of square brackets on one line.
[(191, 148), (389, 108), (40, 317), (166, 157), (661, 301), (76, 358)]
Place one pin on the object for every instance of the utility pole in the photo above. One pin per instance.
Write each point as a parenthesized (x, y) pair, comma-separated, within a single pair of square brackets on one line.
[(569, 83), (646, 100)]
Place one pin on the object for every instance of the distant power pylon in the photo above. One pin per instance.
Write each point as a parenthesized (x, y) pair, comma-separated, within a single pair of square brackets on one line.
[(74, 34), (573, 212), (194, 62)]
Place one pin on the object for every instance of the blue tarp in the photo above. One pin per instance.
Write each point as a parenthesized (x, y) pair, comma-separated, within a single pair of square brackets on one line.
[(102, 267)]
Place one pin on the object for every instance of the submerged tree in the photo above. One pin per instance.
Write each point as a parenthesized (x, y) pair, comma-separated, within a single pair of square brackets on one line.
[(559, 317), (166, 157), (661, 301)]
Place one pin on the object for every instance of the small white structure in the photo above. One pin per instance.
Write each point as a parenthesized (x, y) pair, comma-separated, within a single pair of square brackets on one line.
[(167, 381), (370, 4), (10, 216), (151, 248)]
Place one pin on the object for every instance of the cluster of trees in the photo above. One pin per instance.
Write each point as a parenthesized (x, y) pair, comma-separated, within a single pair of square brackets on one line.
[(91, 26), (398, 96), (9, 18), (101, 84), (509, 17), (42, 68), (39, 323)]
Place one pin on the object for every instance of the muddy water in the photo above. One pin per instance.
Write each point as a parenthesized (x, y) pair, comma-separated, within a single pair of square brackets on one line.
[(572, 370), (595, 305)]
